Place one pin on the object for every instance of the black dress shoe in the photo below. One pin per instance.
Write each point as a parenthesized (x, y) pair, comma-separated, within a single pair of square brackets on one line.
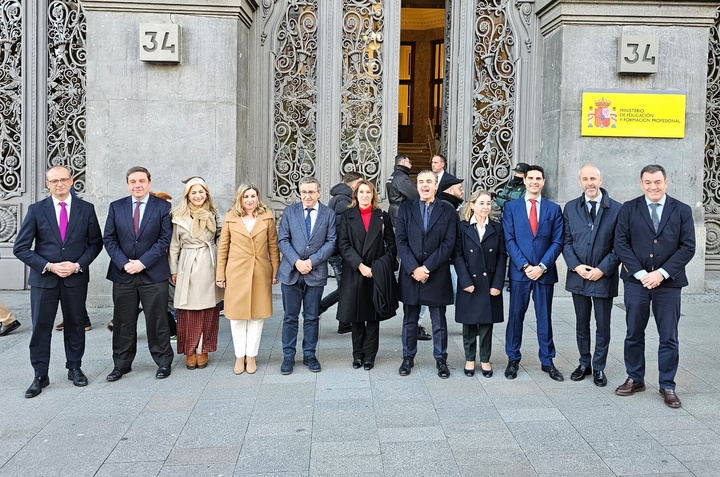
[(77, 377), (36, 386), (406, 366), (486, 372), (580, 373), (163, 372), (357, 363), (512, 369), (368, 365), (115, 374), (60, 326), (6, 329), (423, 335), (599, 378), (555, 375), (442, 367), (312, 363), (469, 372)]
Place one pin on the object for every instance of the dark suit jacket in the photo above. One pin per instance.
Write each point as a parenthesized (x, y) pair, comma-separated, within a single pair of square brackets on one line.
[(639, 247), (83, 242), (294, 244), (433, 248), (522, 247), (150, 246)]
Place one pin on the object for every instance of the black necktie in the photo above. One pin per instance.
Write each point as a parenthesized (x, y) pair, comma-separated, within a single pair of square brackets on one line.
[(308, 223), (593, 212)]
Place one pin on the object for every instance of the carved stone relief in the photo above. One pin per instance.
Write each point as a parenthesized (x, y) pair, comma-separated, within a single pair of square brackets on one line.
[(8, 223)]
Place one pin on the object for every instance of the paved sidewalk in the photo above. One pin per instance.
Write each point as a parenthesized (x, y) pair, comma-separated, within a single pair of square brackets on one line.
[(347, 422)]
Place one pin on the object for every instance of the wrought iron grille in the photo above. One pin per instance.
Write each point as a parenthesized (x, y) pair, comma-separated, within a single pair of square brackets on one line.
[(11, 97), (711, 186)]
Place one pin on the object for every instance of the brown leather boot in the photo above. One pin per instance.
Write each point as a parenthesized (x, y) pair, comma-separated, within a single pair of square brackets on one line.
[(191, 361), (202, 360), (251, 365), (239, 365)]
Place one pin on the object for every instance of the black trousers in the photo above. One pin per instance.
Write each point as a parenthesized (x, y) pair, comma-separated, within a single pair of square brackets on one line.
[(474, 334), (583, 309), (366, 340), (44, 305), (154, 299)]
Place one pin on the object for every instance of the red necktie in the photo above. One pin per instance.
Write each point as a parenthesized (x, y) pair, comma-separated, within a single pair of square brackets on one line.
[(136, 217), (533, 216), (63, 220)]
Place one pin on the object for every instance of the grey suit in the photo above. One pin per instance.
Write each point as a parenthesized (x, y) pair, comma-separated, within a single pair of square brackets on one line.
[(304, 290)]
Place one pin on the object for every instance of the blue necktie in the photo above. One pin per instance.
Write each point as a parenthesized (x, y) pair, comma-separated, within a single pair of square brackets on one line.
[(426, 215), (308, 224), (654, 216)]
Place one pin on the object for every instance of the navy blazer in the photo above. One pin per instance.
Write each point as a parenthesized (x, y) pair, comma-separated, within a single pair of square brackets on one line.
[(434, 248), (639, 247), (522, 247), (150, 246), (83, 242), (294, 244)]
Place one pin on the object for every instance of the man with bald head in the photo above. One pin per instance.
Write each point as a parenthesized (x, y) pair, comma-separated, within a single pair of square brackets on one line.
[(592, 269)]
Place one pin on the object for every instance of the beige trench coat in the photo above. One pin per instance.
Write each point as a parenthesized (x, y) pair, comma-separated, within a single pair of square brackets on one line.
[(193, 260), (248, 261)]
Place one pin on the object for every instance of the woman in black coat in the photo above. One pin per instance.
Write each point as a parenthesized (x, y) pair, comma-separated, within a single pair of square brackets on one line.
[(481, 262), (365, 234)]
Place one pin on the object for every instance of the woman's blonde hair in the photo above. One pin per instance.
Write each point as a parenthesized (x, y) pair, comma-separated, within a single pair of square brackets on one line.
[(237, 206), (375, 198), (467, 211), (182, 209)]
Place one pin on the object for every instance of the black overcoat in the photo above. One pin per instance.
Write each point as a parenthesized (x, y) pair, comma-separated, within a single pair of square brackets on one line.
[(482, 264), (357, 246)]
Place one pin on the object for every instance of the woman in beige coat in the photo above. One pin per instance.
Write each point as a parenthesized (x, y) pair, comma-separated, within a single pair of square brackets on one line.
[(192, 267), (248, 260)]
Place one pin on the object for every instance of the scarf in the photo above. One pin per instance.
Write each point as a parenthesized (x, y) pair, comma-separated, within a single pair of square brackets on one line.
[(202, 219)]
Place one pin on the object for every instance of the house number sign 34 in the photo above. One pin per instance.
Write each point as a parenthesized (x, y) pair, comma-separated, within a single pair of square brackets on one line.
[(160, 42), (638, 54)]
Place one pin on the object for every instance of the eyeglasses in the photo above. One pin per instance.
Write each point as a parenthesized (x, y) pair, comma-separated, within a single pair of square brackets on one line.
[(54, 182), (308, 192)]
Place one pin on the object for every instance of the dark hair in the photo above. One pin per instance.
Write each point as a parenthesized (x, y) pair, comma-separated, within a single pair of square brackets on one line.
[(535, 167), (399, 158), (441, 157), (652, 169), (375, 198), (135, 169), (351, 176)]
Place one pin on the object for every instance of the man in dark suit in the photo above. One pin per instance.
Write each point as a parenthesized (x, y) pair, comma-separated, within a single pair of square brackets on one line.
[(425, 238), (654, 240), (533, 229), (137, 236), (438, 164), (66, 237), (306, 240), (592, 275)]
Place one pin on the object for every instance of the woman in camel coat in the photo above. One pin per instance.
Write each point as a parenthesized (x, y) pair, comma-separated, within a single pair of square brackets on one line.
[(248, 260)]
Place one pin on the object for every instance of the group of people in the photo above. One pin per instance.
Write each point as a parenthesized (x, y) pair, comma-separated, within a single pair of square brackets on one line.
[(427, 251)]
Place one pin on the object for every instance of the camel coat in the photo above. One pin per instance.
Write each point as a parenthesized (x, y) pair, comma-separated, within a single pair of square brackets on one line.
[(248, 261), (193, 260)]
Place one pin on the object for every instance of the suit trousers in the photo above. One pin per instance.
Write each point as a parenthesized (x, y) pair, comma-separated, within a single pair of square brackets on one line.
[(439, 330), (365, 340), (542, 296), (6, 317), (474, 335), (334, 296), (246, 336), (583, 309), (665, 302), (293, 297), (127, 298), (44, 305)]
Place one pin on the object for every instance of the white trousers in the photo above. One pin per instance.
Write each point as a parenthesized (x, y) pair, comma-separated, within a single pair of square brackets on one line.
[(246, 336)]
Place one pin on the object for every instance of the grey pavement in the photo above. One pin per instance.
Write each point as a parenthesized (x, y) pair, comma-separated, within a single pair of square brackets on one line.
[(347, 422)]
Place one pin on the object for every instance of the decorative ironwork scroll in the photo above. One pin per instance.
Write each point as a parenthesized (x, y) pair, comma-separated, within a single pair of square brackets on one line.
[(493, 96), (8, 223), (446, 79), (11, 26), (711, 184), (294, 98), (66, 88), (361, 106)]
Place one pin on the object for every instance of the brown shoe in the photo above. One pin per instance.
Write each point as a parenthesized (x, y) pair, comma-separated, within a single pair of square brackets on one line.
[(202, 360), (251, 365), (629, 387), (60, 326), (239, 365), (191, 361), (671, 399)]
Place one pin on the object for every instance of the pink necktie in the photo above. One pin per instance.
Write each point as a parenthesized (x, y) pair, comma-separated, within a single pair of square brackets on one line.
[(136, 217), (63, 220), (533, 217)]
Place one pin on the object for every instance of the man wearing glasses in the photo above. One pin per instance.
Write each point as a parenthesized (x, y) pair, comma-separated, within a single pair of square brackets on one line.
[(306, 240), (67, 238)]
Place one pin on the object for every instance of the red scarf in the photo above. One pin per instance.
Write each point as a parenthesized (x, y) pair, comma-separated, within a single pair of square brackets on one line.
[(365, 214)]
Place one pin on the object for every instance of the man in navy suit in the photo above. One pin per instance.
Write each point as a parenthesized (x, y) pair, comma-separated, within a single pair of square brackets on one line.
[(654, 240), (425, 237), (137, 236), (306, 240), (66, 237), (533, 229)]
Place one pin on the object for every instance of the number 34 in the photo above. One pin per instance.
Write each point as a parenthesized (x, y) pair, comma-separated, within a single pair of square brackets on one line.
[(153, 43)]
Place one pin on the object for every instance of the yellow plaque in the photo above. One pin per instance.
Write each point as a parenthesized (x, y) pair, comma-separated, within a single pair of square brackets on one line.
[(622, 113)]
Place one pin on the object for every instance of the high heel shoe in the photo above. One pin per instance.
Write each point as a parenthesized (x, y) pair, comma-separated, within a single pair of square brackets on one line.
[(469, 372), (486, 372), (357, 363), (368, 365)]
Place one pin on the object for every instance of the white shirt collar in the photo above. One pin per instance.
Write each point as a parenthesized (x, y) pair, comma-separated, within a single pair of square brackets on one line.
[(597, 199), (67, 201), (661, 201)]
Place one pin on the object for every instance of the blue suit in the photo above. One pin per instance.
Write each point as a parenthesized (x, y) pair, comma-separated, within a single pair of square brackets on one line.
[(639, 247), (304, 290), (149, 287), (82, 244), (525, 248)]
